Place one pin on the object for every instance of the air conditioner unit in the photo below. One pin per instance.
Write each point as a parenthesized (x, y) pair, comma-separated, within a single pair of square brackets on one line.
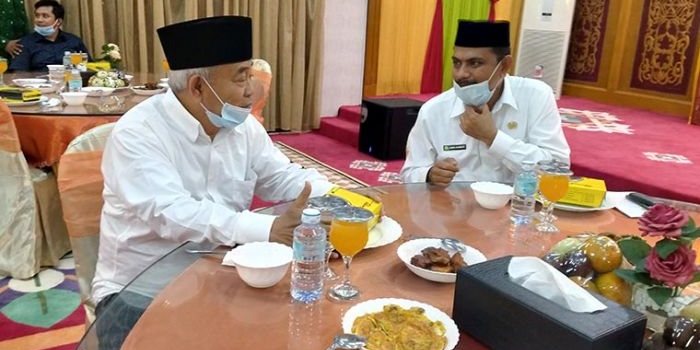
[(544, 40)]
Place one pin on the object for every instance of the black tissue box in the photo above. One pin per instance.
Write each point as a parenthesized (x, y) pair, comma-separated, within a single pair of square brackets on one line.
[(503, 315)]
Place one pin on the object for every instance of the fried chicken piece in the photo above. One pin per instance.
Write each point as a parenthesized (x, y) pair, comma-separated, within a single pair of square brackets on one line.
[(457, 261), (441, 268), (437, 255), (420, 261)]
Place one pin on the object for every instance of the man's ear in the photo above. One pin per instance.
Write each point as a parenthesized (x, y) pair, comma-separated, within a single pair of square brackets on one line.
[(59, 22), (506, 64), (195, 84)]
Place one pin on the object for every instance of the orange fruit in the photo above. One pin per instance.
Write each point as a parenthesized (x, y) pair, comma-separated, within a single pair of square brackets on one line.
[(586, 283), (614, 288), (603, 253)]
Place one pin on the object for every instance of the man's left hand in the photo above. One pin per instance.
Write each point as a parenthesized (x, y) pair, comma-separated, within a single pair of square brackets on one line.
[(477, 123)]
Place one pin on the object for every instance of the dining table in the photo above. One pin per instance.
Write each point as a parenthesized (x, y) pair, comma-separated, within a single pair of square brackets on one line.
[(199, 303), (46, 127)]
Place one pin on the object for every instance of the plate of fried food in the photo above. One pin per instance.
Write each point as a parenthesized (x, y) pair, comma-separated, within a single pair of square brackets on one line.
[(427, 258), (148, 89), (391, 323)]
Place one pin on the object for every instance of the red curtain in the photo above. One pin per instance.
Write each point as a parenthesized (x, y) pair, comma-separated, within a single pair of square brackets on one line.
[(431, 81)]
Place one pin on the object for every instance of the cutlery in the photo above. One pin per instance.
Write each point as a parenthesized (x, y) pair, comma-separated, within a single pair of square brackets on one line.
[(348, 341), (198, 251), (453, 244)]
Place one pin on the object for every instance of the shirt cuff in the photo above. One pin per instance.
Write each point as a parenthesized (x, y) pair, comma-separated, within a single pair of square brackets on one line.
[(501, 144), (253, 227)]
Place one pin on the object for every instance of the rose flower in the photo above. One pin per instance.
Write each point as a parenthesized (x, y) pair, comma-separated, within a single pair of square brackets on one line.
[(663, 220), (676, 270)]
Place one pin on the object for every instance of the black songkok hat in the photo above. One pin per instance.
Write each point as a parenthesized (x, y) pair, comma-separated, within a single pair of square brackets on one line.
[(207, 42), (483, 34)]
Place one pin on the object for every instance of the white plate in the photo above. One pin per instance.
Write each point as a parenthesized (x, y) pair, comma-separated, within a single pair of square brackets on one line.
[(384, 232), (96, 91), (24, 82), (26, 104), (377, 305), (44, 88), (579, 209), (413, 247), (143, 92)]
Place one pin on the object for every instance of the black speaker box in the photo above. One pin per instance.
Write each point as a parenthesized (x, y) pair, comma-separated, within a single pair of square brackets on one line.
[(385, 126)]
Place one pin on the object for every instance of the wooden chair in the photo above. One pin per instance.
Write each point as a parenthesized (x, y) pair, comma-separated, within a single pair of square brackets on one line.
[(262, 78), (80, 184), (32, 231)]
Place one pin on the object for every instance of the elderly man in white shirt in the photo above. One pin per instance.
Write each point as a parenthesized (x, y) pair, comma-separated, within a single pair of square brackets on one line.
[(184, 166), (489, 122)]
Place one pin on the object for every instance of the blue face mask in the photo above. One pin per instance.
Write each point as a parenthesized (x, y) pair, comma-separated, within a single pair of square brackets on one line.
[(231, 116), (475, 94), (45, 31)]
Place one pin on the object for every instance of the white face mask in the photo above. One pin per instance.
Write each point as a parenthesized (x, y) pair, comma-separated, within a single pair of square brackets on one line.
[(231, 116), (45, 31), (476, 94)]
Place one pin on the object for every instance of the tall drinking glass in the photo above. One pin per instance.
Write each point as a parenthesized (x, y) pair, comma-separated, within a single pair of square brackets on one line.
[(553, 185), (76, 58), (326, 204), (3, 69), (349, 235)]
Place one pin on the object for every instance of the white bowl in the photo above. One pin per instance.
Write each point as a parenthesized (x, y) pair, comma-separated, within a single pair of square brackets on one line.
[(492, 195), (74, 98), (97, 91), (260, 264), (413, 247)]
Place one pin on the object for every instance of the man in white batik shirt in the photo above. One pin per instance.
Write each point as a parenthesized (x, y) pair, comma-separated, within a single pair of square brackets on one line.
[(489, 122)]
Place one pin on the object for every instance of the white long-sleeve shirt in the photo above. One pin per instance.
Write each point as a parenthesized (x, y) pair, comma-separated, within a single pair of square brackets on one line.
[(166, 182), (529, 128)]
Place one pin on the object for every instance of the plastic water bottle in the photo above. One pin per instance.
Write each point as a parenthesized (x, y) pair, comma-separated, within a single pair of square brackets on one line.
[(309, 262), (66, 60), (76, 81), (522, 205)]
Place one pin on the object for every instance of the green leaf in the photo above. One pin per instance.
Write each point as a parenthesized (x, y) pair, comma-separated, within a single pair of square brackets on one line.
[(632, 276), (666, 246), (634, 249), (696, 278), (659, 294), (692, 235)]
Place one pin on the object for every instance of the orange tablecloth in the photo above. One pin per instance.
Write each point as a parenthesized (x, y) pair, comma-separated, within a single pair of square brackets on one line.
[(45, 137)]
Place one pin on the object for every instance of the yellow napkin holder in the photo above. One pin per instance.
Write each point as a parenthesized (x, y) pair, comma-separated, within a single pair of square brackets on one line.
[(15, 94), (585, 191), (98, 66), (360, 201)]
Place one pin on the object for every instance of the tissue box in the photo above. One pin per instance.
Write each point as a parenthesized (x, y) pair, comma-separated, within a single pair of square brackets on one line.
[(503, 315), (358, 200), (585, 191)]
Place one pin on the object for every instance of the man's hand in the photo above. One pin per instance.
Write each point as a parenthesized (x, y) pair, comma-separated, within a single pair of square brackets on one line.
[(477, 123), (284, 225), (13, 47), (442, 172)]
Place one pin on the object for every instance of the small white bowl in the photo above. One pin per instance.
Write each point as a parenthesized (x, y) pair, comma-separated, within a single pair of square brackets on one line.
[(97, 91), (414, 247), (74, 98), (260, 264), (492, 195)]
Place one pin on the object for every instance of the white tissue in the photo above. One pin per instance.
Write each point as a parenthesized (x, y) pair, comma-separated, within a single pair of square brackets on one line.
[(544, 280)]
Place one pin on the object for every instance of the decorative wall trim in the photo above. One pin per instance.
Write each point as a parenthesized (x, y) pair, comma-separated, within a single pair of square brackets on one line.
[(587, 37)]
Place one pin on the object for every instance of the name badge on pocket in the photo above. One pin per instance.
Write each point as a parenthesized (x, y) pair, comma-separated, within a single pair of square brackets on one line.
[(454, 147)]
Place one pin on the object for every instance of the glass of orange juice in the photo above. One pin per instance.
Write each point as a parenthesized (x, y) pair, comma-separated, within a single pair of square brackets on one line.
[(3, 69), (553, 185), (76, 58), (349, 234)]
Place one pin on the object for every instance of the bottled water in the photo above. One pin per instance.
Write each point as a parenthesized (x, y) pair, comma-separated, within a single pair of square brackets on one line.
[(66, 60), (522, 205), (76, 81), (308, 266)]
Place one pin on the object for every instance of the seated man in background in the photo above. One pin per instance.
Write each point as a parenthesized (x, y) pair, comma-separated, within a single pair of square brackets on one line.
[(489, 122), (184, 166), (48, 43)]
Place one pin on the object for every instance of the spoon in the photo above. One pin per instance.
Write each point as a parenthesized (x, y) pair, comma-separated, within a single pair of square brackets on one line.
[(453, 244), (348, 341), (197, 251)]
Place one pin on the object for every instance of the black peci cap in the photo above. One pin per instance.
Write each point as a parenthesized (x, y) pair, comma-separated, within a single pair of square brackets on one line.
[(483, 34), (207, 42)]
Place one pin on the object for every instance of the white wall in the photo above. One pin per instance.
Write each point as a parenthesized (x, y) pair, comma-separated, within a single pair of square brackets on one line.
[(345, 25)]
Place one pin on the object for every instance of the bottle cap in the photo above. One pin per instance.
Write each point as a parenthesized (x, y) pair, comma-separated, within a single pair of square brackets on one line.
[(311, 212)]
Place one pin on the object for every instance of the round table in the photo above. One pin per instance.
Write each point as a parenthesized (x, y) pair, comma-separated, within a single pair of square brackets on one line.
[(199, 303)]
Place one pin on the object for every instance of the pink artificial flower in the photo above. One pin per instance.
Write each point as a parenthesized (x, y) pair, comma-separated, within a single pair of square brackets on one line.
[(663, 220), (676, 270)]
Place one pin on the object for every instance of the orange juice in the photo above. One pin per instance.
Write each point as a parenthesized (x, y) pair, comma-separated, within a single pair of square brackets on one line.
[(76, 58), (349, 237), (166, 66), (554, 187), (3, 65)]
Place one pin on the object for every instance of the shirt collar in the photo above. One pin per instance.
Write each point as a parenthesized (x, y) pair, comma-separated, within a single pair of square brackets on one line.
[(59, 38), (181, 118), (506, 98)]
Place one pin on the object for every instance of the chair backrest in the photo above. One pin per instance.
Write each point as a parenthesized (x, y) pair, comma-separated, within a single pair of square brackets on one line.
[(80, 185), (18, 240), (262, 78)]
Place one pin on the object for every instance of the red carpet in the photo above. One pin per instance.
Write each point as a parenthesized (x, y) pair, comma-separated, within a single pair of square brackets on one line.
[(630, 149)]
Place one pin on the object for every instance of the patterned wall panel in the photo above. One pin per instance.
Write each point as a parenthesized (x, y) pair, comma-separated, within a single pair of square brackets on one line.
[(586, 43), (666, 46)]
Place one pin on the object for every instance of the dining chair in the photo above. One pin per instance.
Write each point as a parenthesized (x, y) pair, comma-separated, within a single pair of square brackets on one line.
[(80, 185), (262, 78), (32, 231)]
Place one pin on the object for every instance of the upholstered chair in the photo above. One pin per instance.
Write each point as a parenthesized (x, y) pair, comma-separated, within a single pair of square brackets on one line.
[(262, 78)]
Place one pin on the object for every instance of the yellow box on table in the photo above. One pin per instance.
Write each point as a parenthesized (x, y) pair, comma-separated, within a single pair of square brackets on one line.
[(98, 66), (585, 191), (10, 94), (360, 201)]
